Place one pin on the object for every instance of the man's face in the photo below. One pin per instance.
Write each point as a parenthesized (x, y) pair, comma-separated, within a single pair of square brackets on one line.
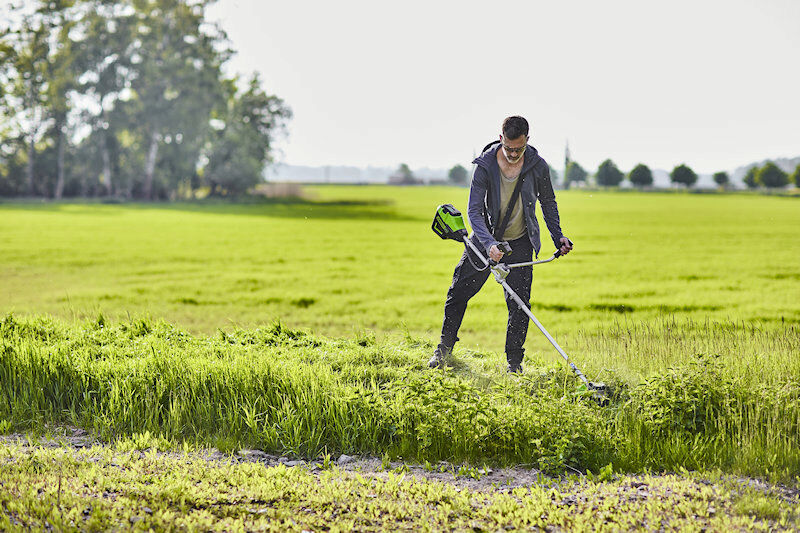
[(514, 149)]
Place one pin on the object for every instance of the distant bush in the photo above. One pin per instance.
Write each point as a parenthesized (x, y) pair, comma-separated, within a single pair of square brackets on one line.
[(750, 178), (770, 175), (721, 178), (574, 173), (795, 177), (608, 174), (458, 175), (641, 176), (684, 175)]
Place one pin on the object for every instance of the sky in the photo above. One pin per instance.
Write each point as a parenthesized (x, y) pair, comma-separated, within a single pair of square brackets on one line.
[(714, 84)]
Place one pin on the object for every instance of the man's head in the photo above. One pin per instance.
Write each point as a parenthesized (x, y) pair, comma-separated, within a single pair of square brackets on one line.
[(514, 138)]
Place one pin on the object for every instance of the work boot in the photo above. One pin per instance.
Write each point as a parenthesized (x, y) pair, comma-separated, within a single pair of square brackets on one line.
[(439, 356), (515, 368)]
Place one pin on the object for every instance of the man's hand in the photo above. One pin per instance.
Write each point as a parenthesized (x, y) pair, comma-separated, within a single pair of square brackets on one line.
[(566, 246), (495, 254)]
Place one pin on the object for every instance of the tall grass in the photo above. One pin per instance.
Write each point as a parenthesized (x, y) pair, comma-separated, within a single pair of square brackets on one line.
[(286, 391)]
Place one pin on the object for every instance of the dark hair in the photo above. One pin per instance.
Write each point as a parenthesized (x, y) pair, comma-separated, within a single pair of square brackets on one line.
[(515, 127)]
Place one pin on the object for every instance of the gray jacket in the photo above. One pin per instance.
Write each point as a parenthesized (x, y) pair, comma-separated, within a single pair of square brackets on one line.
[(484, 198)]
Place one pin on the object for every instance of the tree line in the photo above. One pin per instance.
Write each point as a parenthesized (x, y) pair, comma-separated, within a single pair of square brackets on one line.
[(127, 98), (608, 175)]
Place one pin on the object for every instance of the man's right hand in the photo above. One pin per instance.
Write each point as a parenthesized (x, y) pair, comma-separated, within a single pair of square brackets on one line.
[(495, 254)]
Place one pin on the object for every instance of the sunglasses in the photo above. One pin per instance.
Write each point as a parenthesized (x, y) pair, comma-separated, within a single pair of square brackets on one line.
[(513, 150)]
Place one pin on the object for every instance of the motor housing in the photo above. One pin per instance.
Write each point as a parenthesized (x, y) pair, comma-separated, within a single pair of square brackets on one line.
[(448, 223)]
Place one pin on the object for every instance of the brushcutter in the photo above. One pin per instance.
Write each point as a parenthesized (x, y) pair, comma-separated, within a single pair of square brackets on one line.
[(449, 224)]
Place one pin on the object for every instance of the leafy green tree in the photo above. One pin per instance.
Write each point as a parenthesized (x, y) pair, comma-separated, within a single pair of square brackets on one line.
[(750, 178), (641, 176), (62, 77), (179, 67), (118, 96), (106, 59), (574, 173), (242, 138), (608, 175), (24, 68), (684, 175), (795, 177), (721, 178), (771, 175), (458, 175)]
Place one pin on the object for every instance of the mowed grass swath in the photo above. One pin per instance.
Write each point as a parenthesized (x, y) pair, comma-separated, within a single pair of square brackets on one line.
[(670, 298), (365, 258)]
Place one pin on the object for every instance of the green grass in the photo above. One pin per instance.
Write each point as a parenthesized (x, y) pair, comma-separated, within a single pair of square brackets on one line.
[(165, 322), (365, 258), (100, 489), (282, 390)]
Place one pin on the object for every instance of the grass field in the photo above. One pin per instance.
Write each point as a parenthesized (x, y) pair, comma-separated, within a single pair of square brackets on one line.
[(303, 328), (365, 258)]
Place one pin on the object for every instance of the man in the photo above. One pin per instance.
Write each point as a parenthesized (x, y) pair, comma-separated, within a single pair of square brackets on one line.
[(497, 174)]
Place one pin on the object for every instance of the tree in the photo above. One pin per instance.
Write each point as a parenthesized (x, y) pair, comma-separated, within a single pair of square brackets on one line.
[(24, 70), (795, 177), (106, 61), (721, 178), (458, 175), (119, 97), (177, 83), (641, 176), (771, 175), (404, 176), (750, 178), (63, 80), (608, 174), (574, 173), (242, 138), (684, 175)]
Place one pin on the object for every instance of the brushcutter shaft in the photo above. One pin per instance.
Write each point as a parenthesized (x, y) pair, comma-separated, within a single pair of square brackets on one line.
[(475, 249), (539, 325), (500, 274)]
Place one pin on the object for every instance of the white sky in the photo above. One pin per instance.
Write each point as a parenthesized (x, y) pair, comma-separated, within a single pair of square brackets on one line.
[(713, 83)]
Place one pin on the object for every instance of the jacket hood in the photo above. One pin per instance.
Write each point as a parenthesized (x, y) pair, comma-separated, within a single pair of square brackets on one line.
[(488, 159)]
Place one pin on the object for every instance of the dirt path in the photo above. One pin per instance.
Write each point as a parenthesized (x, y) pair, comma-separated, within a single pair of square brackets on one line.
[(483, 479)]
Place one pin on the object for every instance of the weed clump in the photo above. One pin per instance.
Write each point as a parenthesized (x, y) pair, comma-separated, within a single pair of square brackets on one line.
[(690, 398)]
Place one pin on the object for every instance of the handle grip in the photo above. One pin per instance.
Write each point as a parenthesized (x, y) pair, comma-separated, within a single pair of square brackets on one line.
[(505, 248), (558, 252)]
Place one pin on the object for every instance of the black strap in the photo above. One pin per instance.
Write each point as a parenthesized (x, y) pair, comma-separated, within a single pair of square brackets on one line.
[(489, 146), (499, 230)]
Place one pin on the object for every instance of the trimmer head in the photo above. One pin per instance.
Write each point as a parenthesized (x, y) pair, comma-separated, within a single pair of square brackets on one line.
[(448, 223), (600, 392)]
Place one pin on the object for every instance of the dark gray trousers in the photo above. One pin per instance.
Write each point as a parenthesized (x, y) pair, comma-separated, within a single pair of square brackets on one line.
[(468, 280)]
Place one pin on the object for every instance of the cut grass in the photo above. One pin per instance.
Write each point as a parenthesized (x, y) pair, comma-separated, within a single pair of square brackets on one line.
[(365, 257)]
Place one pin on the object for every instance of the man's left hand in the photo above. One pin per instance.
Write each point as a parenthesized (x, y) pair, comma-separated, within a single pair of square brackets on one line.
[(566, 246)]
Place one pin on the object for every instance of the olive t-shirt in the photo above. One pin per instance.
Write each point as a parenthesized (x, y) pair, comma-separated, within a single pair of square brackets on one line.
[(516, 223)]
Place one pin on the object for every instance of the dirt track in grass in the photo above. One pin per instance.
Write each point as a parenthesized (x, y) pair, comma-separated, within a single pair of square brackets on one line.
[(107, 486)]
